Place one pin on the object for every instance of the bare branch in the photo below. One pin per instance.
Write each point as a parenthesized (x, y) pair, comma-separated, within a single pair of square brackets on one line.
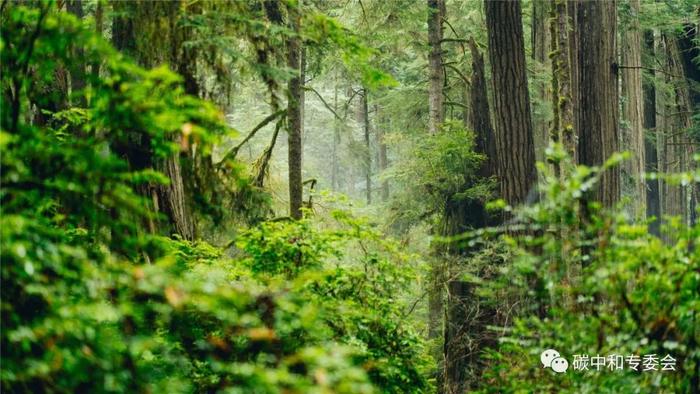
[(325, 104), (233, 152)]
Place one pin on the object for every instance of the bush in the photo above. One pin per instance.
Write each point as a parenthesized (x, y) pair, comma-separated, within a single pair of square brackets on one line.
[(597, 286)]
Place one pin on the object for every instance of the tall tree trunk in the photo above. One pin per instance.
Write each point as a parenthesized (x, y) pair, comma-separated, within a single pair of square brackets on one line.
[(541, 107), (465, 335), (458, 356), (690, 52), (436, 14), (436, 10), (673, 119), (481, 116), (597, 93), (382, 160), (77, 70), (171, 199), (513, 125), (632, 113), (294, 114), (367, 159), (99, 22), (336, 142), (651, 158), (563, 124)]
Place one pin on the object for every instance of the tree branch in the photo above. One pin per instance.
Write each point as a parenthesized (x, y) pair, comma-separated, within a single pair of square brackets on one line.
[(459, 40), (458, 104), (651, 69), (310, 89), (461, 75), (263, 162), (233, 152)]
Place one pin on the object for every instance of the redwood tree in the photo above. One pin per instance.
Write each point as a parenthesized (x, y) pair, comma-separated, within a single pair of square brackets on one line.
[(512, 119), (596, 92)]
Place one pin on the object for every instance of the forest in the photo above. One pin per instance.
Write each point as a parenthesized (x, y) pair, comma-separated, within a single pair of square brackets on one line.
[(350, 196)]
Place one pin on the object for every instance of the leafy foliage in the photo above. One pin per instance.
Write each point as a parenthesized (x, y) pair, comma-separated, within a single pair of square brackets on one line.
[(92, 303), (607, 288)]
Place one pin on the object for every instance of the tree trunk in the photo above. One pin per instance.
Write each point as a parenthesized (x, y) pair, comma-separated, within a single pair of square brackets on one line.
[(436, 9), (563, 120), (597, 93), (367, 159), (513, 125), (481, 115), (541, 107), (436, 13), (651, 158), (690, 52), (464, 335), (457, 349), (336, 142), (382, 156), (632, 113), (99, 14), (673, 119), (77, 70), (172, 198), (294, 116)]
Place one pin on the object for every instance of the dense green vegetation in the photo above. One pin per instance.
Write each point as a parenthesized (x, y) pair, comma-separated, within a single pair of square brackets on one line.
[(155, 237)]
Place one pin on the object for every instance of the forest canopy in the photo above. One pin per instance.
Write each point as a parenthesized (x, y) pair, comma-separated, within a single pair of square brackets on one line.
[(287, 196)]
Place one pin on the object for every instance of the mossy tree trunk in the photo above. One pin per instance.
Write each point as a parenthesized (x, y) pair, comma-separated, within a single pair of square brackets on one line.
[(294, 116)]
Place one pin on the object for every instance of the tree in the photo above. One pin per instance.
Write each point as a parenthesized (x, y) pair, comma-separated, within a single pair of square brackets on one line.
[(77, 73), (467, 316), (632, 111), (541, 47), (436, 13), (562, 105), (650, 151), (367, 153), (294, 114), (515, 150), (673, 103), (382, 157), (131, 23), (595, 92)]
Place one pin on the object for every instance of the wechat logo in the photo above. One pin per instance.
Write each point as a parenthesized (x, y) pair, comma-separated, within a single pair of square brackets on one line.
[(551, 358)]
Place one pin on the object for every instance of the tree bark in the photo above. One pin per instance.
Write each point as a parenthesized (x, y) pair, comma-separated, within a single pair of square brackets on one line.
[(77, 70), (675, 148), (597, 93), (463, 340), (99, 22), (689, 53), (294, 116), (651, 158), (457, 352), (336, 142), (563, 121), (481, 115), (541, 107), (436, 10), (513, 125), (632, 113), (367, 162), (382, 156), (127, 27)]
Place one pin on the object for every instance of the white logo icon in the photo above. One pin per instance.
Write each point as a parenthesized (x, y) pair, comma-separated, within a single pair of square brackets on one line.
[(551, 358)]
